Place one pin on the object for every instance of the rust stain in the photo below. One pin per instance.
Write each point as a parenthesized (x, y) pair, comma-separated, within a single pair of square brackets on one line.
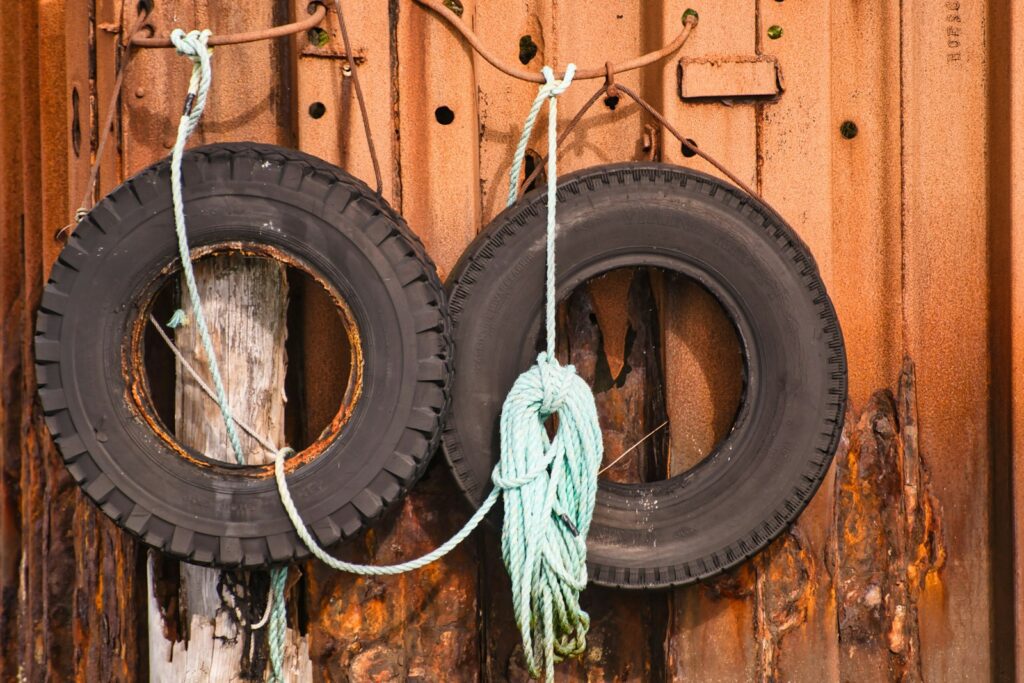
[(785, 591), (888, 543)]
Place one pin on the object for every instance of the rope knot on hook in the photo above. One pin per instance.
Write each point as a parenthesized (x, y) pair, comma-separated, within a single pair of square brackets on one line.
[(554, 87), (192, 44)]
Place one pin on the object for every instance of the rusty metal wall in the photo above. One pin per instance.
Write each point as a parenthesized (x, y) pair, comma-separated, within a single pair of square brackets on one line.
[(905, 564)]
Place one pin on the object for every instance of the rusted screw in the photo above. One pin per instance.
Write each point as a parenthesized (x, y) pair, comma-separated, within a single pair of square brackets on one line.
[(775, 32), (848, 129)]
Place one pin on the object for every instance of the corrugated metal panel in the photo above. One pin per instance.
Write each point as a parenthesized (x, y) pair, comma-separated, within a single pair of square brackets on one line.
[(910, 221)]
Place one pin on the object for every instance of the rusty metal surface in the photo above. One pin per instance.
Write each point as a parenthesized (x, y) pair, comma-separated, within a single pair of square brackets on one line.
[(889, 150), (727, 77)]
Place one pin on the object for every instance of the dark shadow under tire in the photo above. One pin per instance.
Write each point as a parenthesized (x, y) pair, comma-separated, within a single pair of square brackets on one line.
[(763, 473), (318, 218)]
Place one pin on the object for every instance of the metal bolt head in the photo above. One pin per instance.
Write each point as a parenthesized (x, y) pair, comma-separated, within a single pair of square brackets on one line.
[(775, 32)]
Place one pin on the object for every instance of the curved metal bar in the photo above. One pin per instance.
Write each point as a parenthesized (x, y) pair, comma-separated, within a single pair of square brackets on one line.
[(581, 74), (317, 14)]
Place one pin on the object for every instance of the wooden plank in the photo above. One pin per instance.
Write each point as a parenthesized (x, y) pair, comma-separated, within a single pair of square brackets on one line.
[(889, 541), (48, 556), (504, 101), (711, 633), (1014, 126), (795, 161), (108, 55), (14, 127), (322, 76), (865, 185), (440, 196), (503, 104), (1004, 24), (105, 589), (945, 303), (420, 625), (628, 628), (246, 101)]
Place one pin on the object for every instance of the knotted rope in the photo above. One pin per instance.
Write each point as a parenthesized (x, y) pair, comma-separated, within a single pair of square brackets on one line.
[(549, 484)]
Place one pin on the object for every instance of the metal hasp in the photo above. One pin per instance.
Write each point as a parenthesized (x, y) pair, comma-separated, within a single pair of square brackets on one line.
[(729, 77)]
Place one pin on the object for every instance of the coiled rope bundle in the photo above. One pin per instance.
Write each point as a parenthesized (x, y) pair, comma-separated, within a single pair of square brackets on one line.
[(549, 484)]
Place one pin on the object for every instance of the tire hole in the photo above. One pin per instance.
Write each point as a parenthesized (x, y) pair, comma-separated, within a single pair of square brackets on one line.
[(318, 37), (444, 115), (687, 148), (317, 110), (848, 129), (664, 361), (321, 377)]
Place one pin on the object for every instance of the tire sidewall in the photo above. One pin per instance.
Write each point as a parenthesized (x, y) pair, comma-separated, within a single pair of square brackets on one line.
[(652, 215)]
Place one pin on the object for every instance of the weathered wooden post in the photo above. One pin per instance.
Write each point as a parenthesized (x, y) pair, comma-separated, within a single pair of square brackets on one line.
[(245, 301)]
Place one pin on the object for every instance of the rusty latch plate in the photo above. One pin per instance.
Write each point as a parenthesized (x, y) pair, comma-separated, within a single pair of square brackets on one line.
[(734, 77)]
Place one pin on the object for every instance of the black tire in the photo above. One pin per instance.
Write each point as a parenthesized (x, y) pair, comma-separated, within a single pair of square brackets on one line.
[(327, 223), (765, 470)]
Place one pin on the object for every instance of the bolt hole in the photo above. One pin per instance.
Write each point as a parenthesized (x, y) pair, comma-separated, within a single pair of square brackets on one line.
[(848, 129), (444, 115), (611, 102), (317, 110), (76, 126), (527, 49), (775, 32), (318, 37), (687, 151), (531, 160)]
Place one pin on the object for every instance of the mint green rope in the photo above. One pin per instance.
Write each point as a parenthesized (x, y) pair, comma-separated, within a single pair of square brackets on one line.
[(549, 485), (194, 46)]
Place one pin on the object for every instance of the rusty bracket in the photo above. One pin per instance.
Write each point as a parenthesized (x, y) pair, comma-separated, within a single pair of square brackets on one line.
[(330, 52), (738, 77)]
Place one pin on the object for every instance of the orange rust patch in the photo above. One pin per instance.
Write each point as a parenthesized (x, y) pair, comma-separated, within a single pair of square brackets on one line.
[(889, 544)]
